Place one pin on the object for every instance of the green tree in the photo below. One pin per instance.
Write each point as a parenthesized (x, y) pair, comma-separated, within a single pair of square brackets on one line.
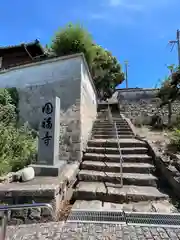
[(73, 39), (106, 72), (105, 69), (166, 93), (176, 80), (171, 68), (169, 91)]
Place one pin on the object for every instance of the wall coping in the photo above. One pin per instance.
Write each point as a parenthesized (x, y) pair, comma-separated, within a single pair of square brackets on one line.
[(137, 89), (54, 59), (49, 60)]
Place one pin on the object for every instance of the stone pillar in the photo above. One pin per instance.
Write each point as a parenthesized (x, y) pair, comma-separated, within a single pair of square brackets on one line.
[(48, 163)]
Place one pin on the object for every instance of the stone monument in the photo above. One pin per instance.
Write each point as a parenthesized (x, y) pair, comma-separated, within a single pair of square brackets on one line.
[(48, 163)]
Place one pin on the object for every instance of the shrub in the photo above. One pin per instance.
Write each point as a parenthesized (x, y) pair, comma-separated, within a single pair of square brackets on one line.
[(5, 97), (17, 148), (175, 139), (156, 122), (176, 123), (17, 145), (14, 99), (137, 122), (7, 114)]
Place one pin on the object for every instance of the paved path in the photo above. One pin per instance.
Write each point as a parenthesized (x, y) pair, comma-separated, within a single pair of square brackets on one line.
[(81, 231)]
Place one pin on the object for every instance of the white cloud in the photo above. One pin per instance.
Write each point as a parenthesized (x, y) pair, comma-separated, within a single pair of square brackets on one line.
[(128, 12), (109, 19), (122, 8), (126, 4), (138, 5), (115, 3)]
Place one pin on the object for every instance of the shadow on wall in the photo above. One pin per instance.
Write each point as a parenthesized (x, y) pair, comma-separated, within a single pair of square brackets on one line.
[(31, 102), (32, 98)]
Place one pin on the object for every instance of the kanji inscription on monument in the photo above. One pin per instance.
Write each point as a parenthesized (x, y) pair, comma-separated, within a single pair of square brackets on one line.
[(48, 147)]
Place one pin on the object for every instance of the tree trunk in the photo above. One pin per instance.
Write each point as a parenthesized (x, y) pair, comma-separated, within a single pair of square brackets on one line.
[(169, 113)]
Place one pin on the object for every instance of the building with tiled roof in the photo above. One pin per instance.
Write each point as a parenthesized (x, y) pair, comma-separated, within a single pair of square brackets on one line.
[(11, 56)]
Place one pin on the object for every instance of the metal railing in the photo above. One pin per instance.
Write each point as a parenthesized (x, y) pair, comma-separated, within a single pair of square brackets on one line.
[(4, 209), (119, 147)]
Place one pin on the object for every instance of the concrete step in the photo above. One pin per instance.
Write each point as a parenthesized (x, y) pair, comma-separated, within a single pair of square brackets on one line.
[(105, 136), (118, 117), (110, 125), (115, 167), (137, 179), (132, 158), (113, 193), (113, 132), (112, 129), (160, 206), (133, 150), (109, 121), (129, 142), (115, 117)]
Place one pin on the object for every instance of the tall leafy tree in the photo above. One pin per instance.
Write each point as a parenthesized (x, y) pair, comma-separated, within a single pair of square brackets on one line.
[(106, 72), (73, 39), (105, 69)]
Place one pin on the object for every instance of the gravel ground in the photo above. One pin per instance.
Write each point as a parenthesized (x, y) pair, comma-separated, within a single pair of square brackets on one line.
[(159, 137), (64, 212), (160, 140)]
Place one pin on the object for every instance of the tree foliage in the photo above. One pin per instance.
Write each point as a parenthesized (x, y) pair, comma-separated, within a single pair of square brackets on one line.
[(176, 79), (73, 39), (106, 72), (169, 91), (105, 69)]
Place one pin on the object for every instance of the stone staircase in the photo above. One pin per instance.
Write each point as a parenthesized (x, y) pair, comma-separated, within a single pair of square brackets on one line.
[(98, 181)]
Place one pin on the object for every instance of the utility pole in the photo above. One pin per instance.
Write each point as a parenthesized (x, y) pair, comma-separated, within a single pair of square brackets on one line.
[(177, 41), (178, 44), (126, 72)]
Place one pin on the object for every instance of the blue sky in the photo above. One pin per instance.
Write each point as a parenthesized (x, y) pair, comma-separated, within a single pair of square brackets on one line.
[(133, 30)]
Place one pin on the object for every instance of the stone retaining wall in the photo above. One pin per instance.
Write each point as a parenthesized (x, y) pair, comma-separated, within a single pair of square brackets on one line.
[(53, 190), (32, 215), (140, 104), (166, 169)]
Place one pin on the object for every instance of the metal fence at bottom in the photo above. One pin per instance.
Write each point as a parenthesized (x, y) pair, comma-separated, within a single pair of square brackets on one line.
[(95, 216), (129, 218), (4, 212)]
